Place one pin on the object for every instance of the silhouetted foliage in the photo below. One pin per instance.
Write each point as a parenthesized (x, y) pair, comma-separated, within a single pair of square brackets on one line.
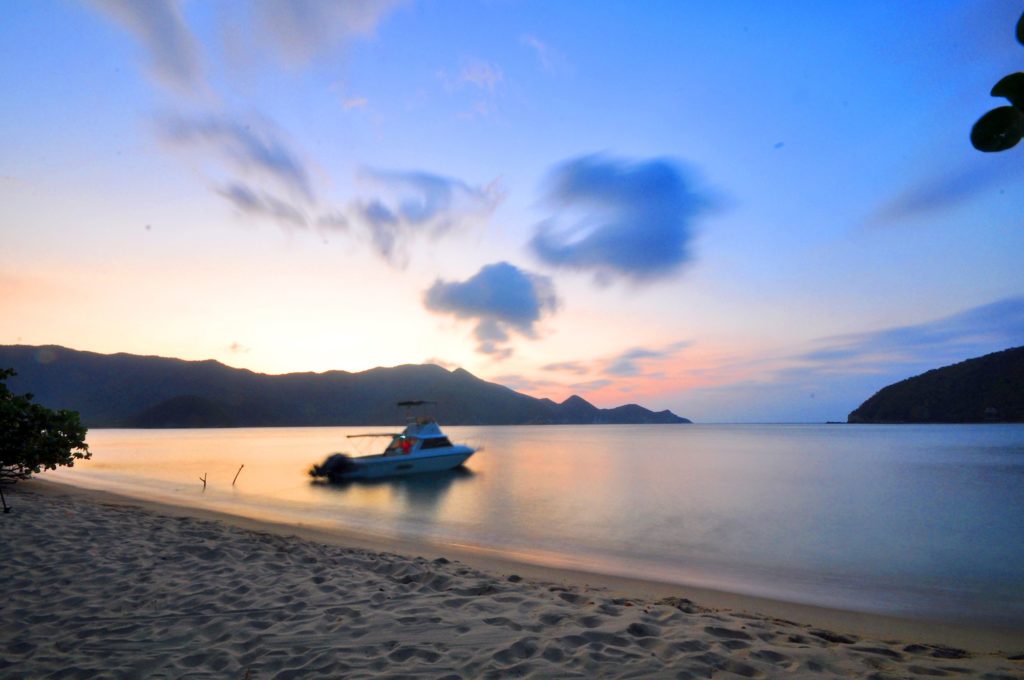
[(33, 437), (985, 389), (1001, 128)]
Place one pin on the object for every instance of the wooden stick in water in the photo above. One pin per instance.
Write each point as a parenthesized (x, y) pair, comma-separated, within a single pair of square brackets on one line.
[(237, 473), (203, 480)]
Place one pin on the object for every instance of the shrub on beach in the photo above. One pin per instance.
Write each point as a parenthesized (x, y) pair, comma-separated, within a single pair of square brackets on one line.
[(33, 437)]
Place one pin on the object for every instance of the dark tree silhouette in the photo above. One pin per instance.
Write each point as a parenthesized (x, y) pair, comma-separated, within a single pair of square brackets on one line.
[(1001, 128), (33, 437)]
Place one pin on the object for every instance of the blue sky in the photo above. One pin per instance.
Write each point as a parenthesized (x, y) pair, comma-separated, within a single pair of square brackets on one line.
[(739, 211)]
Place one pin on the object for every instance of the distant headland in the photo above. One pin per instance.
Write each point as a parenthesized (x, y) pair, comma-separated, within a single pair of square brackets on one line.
[(981, 390), (127, 390)]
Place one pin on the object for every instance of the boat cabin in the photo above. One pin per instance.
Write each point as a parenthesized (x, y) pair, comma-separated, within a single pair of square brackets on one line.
[(421, 434)]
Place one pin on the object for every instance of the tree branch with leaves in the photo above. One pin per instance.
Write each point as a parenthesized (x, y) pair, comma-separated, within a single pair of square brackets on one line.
[(1002, 127), (34, 438)]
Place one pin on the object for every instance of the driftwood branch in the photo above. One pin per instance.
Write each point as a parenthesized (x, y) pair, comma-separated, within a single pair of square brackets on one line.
[(237, 473), (203, 480)]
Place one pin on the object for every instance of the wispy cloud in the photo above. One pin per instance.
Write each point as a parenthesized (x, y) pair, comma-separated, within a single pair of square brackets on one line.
[(840, 372), (160, 28), (351, 103), (575, 367), (591, 385), (501, 298), (333, 221), (947, 190), (248, 160), (397, 207), (550, 59), (478, 83), (475, 73), (298, 31), (411, 203), (261, 204), (301, 30), (975, 331), (633, 220), (630, 362), (253, 148), (482, 74), (535, 386)]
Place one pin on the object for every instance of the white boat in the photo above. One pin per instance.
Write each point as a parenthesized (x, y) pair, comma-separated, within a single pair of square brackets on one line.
[(420, 447)]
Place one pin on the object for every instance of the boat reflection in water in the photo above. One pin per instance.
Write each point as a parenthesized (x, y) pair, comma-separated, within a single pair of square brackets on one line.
[(422, 493)]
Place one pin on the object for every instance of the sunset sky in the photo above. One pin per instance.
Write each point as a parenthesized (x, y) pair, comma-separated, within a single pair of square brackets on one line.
[(741, 211)]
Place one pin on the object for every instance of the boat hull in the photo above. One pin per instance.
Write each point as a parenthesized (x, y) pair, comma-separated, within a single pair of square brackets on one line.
[(376, 467)]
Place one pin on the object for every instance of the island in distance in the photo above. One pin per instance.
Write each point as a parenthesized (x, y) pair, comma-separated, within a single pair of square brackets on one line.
[(981, 390), (126, 390)]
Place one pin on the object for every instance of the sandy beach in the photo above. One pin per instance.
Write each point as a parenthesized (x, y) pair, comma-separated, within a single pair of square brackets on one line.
[(98, 586)]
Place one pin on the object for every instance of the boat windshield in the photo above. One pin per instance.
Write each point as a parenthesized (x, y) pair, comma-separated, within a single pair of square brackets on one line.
[(400, 444)]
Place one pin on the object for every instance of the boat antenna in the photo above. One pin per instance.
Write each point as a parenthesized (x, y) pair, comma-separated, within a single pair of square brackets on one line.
[(408, 405)]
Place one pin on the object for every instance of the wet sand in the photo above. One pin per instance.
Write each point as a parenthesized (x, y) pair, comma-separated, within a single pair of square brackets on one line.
[(102, 586)]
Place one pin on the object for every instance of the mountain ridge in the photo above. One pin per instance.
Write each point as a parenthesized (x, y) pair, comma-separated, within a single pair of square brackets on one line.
[(988, 388), (129, 390)]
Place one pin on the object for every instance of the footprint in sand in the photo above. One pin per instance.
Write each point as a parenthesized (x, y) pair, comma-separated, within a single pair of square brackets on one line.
[(503, 621), (606, 638), (518, 651), (402, 654), (638, 629), (726, 633), (773, 658)]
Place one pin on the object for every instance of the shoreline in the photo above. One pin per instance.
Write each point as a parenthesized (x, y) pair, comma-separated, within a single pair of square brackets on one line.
[(975, 638)]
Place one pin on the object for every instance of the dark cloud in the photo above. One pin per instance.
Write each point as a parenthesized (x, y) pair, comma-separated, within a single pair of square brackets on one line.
[(948, 190), (250, 148), (501, 298), (261, 204), (160, 27), (412, 203), (631, 220)]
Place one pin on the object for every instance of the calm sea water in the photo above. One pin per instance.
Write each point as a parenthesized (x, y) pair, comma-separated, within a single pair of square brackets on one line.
[(923, 521)]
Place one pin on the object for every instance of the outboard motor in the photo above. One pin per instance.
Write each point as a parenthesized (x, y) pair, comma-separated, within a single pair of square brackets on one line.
[(336, 465)]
